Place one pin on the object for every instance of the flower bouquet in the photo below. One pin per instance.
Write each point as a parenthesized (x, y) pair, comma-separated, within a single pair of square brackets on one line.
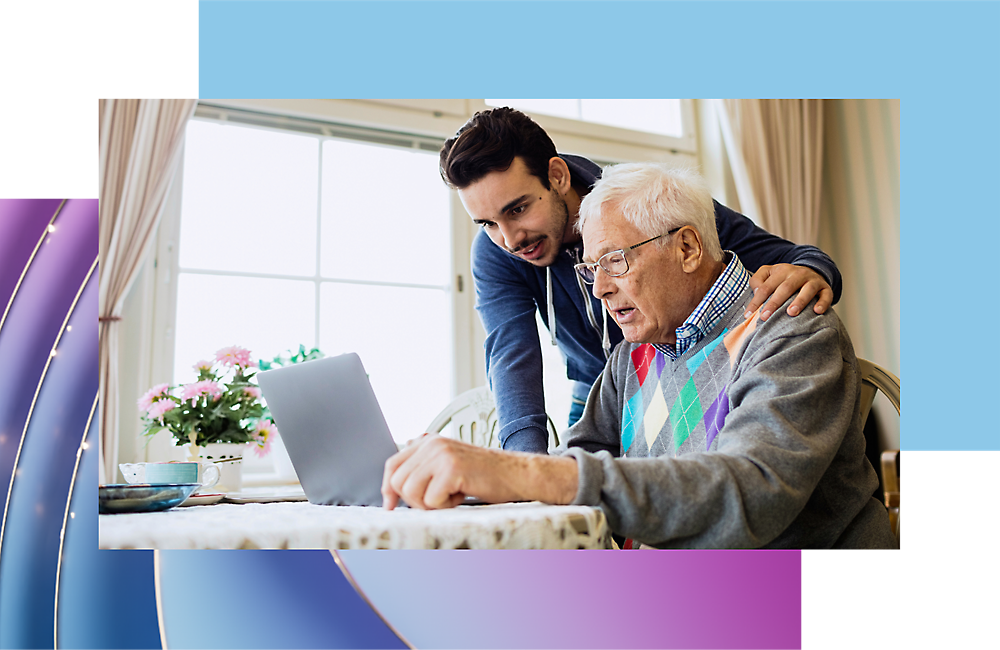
[(222, 406)]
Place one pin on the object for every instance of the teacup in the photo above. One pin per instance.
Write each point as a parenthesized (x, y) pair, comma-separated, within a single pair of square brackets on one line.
[(172, 472)]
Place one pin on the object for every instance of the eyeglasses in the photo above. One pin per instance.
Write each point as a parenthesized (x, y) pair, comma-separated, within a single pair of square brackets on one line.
[(614, 263)]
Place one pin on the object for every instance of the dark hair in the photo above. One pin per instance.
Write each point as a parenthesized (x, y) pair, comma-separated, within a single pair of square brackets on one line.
[(489, 142)]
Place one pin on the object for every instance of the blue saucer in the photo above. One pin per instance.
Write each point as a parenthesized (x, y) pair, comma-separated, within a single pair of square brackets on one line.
[(143, 497)]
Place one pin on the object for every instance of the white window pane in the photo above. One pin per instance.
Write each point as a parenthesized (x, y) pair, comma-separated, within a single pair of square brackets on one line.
[(263, 315), (249, 200), (385, 215), (662, 116), (557, 386), (568, 108), (404, 339), (649, 115)]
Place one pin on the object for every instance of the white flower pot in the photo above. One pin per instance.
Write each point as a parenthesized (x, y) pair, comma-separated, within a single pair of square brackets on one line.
[(229, 456)]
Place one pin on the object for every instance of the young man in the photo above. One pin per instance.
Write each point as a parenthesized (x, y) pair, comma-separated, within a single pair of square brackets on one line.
[(527, 197)]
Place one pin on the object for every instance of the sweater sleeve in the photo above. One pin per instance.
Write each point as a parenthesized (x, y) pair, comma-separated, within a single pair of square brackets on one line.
[(792, 400), (513, 354), (757, 247)]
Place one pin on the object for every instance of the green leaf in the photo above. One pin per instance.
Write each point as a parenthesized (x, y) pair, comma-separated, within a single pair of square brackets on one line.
[(153, 430)]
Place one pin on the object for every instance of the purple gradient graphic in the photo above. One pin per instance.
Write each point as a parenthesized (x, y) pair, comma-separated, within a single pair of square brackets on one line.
[(41, 486), (586, 599), (37, 312), (278, 599), (34, 498), (22, 222)]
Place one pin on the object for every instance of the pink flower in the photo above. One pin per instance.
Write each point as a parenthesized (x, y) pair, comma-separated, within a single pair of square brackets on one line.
[(203, 365), (235, 356), (252, 391), (147, 400), (263, 436), (194, 391), (160, 407)]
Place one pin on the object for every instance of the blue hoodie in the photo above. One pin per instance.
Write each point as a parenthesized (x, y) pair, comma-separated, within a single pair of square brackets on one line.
[(509, 290)]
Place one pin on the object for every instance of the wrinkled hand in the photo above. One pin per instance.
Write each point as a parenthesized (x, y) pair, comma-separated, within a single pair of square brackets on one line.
[(432, 472), (435, 472), (780, 281)]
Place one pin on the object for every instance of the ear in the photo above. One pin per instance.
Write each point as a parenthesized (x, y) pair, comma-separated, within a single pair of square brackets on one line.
[(690, 249), (559, 177)]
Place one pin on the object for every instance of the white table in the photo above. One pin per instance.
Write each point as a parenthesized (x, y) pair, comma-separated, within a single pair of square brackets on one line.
[(303, 525)]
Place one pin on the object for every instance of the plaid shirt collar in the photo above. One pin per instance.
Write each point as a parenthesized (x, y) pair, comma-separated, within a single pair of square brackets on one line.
[(720, 297)]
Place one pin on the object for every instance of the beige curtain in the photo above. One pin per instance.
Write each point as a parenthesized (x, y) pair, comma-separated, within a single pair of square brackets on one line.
[(775, 150), (860, 230), (140, 145)]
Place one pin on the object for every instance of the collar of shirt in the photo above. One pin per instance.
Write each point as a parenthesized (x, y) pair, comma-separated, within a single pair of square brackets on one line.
[(720, 297)]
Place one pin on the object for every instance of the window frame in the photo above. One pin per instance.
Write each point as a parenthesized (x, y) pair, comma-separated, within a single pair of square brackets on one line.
[(687, 143)]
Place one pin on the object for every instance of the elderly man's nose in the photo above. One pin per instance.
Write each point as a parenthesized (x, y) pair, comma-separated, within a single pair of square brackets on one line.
[(604, 284)]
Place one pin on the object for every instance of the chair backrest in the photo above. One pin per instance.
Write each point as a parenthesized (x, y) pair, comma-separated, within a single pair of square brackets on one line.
[(873, 379), (473, 416)]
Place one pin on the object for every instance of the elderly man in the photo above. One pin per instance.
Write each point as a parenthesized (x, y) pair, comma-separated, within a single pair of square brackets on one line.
[(706, 429)]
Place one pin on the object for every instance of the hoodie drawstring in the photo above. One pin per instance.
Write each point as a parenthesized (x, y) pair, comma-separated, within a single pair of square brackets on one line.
[(606, 343), (548, 300)]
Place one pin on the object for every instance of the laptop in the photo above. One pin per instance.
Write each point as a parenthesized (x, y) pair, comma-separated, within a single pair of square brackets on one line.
[(332, 427)]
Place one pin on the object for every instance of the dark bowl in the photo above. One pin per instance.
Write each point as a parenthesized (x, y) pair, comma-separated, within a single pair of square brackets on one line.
[(143, 497)]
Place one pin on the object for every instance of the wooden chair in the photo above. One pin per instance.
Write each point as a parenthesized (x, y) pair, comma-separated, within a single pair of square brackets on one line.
[(873, 379), (473, 415)]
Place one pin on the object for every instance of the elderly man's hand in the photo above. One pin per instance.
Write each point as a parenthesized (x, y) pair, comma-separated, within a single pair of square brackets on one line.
[(435, 472), (780, 281)]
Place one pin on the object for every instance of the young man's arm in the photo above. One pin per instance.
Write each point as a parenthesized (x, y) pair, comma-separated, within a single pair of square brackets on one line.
[(772, 256), (513, 354)]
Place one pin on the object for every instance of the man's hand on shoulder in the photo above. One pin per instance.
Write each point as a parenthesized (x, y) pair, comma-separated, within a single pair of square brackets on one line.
[(776, 284), (434, 472)]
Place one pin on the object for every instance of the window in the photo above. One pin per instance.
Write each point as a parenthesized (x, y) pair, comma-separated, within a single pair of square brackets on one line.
[(290, 237)]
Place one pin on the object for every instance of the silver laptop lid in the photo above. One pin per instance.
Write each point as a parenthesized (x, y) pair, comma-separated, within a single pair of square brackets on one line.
[(332, 427)]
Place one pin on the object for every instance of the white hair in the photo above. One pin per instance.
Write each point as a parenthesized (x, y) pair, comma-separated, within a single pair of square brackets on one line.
[(655, 199)]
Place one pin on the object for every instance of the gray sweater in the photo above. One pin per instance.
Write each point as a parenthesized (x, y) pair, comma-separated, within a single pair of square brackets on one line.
[(751, 439)]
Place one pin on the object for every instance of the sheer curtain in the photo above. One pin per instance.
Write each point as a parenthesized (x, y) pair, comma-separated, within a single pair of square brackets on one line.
[(140, 147), (775, 150)]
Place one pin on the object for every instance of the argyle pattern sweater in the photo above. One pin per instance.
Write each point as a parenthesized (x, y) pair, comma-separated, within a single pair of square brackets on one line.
[(697, 390), (752, 438)]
